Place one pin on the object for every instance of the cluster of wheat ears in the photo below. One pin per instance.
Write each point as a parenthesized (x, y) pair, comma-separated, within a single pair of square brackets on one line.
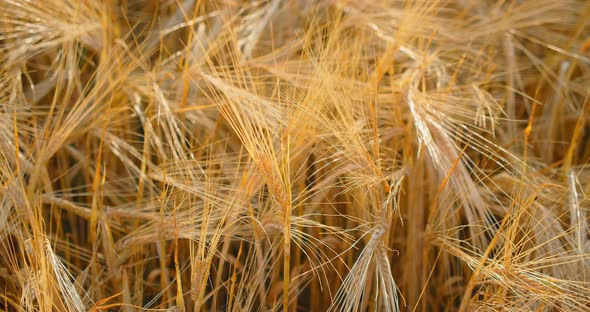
[(294, 155)]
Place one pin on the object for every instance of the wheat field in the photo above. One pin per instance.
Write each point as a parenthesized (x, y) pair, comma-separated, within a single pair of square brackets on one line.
[(294, 155)]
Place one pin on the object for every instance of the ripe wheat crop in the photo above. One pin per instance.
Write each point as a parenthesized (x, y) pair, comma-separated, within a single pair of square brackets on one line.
[(294, 155)]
